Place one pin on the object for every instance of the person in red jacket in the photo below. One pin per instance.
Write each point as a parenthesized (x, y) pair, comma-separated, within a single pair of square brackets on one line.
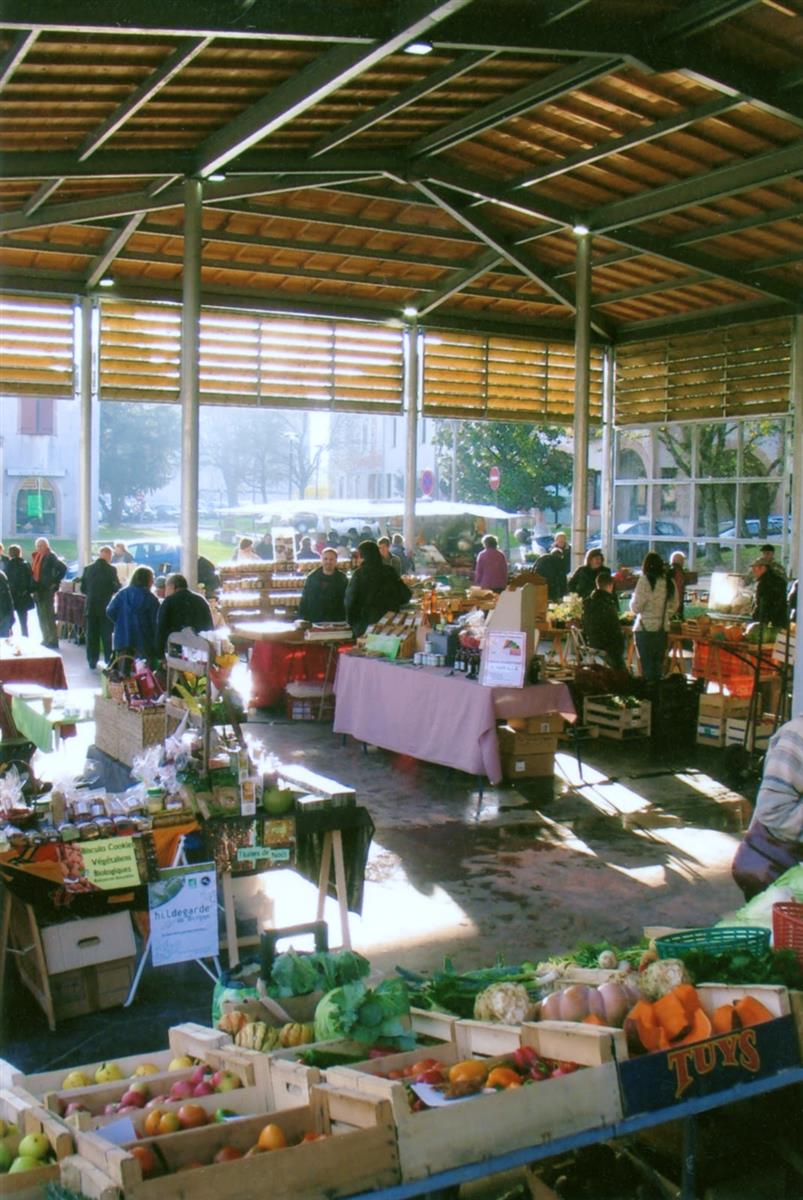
[(491, 569)]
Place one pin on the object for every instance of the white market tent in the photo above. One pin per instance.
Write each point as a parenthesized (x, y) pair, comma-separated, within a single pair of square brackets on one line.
[(290, 510)]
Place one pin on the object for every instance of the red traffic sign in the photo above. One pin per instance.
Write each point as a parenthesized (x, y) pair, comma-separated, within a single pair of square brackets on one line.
[(494, 477), (427, 482)]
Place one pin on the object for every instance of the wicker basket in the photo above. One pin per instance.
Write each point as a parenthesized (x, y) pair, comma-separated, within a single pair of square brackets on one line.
[(787, 927), (123, 733), (715, 940)]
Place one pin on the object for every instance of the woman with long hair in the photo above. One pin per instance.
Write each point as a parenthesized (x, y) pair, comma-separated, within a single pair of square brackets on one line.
[(374, 589), (654, 602), (134, 611)]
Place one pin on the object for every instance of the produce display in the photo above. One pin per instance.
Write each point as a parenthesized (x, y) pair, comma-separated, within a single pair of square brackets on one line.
[(20, 1153)]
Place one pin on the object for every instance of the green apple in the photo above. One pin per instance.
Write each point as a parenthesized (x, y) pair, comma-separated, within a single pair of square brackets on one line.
[(6, 1157), (108, 1072), (34, 1145), (146, 1068), (76, 1079), (24, 1164)]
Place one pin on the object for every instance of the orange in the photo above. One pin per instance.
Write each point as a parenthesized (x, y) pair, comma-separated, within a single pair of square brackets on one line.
[(271, 1137), (503, 1077), (468, 1071)]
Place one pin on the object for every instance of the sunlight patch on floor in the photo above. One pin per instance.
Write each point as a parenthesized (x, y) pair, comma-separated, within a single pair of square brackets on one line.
[(566, 837), (701, 851), (567, 770), (653, 876)]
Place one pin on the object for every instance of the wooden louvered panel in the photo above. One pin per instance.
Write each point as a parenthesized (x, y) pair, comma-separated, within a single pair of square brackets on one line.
[(36, 347)]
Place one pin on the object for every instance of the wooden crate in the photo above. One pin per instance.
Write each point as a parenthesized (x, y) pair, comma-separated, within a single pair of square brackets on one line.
[(739, 731), (123, 732), (244, 1101), (16, 1106), (622, 724), (193, 1040), (362, 1156), (286, 1080), (440, 1139)]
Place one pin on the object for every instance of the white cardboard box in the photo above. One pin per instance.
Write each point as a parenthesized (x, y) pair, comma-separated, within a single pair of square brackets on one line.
[(87, 942)]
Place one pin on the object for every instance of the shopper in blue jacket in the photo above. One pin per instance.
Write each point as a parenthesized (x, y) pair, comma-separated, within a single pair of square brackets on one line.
[(134, 611)]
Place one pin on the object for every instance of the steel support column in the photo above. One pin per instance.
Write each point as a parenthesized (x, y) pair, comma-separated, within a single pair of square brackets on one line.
[(608, 452), (796, 532), (582, 343), (190, 353), (85, 435), (411, 374)]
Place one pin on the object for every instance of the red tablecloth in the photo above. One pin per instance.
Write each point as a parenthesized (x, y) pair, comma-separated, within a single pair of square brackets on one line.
[(71, 610), (23, 661), (429, 714), (275, 664)]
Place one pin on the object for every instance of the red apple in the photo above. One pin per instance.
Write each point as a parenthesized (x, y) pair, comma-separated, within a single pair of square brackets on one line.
[(146, 1158), (191, 1116), (197, 1075), (227, 1154), (139, 1086), (203, 1089), (181, 1089), (74, 1106), (133, 1098)]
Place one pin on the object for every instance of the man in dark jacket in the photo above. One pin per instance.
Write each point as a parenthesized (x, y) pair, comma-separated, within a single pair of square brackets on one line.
[(180, 609), (601, 628), (99, 582), (324, 591), (552, 567), (20, 580), (770, 606), (6, 606), (48, 571)]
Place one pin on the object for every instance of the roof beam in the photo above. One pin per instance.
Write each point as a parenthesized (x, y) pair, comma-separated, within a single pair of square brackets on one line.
[(557, 83), (112, 247), (758, 171), (557, 10), (702, 15), (481, 188), (182, 55), (498, 241), (322, 77), (15, 54), (110, 164), (319, 216), (709, 319), (124, 204), (42, 193), (636, 137), (402, 100), (460, 280), (766, 217), (721, 267), (668, 284)]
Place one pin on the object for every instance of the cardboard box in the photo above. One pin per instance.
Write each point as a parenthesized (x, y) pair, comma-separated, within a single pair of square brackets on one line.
[(528, 766), (518, 742), (551, 722), (77, 944), (667, 1077), (89, 989)]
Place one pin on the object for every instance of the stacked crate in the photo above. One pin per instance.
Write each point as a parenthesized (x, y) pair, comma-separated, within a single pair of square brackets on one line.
[(527, 746), (713, 716)]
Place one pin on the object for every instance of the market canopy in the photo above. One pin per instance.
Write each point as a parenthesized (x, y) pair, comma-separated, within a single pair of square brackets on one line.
[(293, 510)]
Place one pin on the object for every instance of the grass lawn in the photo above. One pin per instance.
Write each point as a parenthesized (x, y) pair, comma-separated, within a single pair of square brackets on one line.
[(67, 548)]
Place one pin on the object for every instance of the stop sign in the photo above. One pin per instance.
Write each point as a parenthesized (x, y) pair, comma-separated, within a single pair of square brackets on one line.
[(493, 478), (427, 482)]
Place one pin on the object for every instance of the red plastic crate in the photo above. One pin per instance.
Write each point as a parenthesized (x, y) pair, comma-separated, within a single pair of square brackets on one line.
[(787, 927)]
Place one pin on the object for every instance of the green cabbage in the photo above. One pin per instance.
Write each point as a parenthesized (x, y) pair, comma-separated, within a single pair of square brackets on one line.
[(294, 974), (370, 1015)]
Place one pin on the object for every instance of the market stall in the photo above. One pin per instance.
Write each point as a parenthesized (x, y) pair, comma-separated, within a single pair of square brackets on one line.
[(432, 714), (25, 661)]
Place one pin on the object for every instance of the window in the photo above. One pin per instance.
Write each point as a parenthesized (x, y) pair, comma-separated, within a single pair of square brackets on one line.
[(36, 508), (37, 415)]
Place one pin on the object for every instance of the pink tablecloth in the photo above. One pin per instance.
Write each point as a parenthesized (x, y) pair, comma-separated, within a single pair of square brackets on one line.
[(429, 714)]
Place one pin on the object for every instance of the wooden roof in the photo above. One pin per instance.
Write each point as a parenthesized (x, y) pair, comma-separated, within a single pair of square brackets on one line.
[(361, 179)]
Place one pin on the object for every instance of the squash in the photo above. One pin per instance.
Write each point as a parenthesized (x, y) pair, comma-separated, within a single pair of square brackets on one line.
[(699, 1031), (750, 1011), (672, 1017), (688, 997), (723, 1019)]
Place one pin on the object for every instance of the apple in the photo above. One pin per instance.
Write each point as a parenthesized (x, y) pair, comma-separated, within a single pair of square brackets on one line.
[(24, 1163), (6, 1157), (157, 1100), (133, 1099), (108, 1072), (34, 1145), (76, 1079), (181, 1090), (191, 1116), (227, 1154), (146, 1158), (198, 1074), (75, 1106), (225, 1081), (203, 1089), (125, 1109), (146, 1068), (182, 1063), (110, 1109), (139, 1086), (169, 1123)]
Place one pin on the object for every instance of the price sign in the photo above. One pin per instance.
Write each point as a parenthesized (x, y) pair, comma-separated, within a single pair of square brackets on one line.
[(494, 478), (183, 913)]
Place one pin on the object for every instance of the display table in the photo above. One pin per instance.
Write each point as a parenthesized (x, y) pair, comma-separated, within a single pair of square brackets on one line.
[(23, 660), (432, 714), (280, 654), (71, 615)]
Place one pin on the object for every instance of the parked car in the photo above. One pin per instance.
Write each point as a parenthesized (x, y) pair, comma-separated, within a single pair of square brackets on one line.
[(162, 556), (633, 539), (751, 528)]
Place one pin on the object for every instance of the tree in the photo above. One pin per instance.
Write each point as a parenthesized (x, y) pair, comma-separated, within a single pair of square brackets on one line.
[(534, 470), (259, 452), (139, 452)]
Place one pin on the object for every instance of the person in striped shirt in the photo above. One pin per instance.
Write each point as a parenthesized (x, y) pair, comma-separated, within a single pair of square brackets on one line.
[(774, 841)]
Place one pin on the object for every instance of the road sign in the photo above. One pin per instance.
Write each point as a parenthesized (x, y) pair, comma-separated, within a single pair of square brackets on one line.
[(427, 482), (494, 477)]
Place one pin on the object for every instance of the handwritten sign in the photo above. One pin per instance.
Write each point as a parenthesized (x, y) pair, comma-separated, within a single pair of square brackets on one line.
[(504, 658), (183, 913)]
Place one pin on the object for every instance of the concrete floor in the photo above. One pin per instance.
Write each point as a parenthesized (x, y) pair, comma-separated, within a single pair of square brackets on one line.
[(623, 842)]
